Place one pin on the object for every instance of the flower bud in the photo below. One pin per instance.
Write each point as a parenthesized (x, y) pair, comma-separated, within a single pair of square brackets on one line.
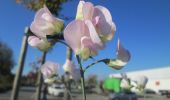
[(123, 57), (49, 71)]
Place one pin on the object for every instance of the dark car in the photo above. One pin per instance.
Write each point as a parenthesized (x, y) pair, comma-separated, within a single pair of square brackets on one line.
[(149, 91), (123, 96)]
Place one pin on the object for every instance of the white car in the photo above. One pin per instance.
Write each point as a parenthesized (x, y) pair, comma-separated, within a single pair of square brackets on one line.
[(56, 90)]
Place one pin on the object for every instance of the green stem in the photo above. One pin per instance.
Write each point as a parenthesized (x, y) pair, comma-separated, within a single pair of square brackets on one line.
[(40, 79), (67, 93), (144, 96), (70, 97), (102, 60), (82, 77)]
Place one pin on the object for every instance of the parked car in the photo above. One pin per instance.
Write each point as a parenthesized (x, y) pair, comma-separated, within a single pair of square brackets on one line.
[(149, 91), (123, 96), (56, 90), (165, 92)]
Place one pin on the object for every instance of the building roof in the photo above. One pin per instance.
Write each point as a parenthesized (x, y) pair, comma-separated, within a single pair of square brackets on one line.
[(163, 72)]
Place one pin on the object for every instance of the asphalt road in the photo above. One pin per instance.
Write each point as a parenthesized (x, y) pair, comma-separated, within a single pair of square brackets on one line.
[(29, 94), (153, 97)]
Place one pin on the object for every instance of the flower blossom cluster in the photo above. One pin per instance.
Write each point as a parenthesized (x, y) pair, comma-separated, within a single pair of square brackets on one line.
[(86, 35), (90, 30)]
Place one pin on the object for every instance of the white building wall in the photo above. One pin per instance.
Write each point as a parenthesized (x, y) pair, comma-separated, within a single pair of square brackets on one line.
[(158, 84), (158, 78)]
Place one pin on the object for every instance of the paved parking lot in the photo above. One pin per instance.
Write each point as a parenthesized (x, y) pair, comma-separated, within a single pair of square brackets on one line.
[(153, 97), (29, 94)]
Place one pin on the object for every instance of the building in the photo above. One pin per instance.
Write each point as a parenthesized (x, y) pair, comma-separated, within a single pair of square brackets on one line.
[(158, 78)]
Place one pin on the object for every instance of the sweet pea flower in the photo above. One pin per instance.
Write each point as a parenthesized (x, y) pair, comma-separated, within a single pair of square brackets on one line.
[(70, 67), (91, 29), (49, 71), (100, 18), (41, 44), (123, 57), (83, 41), (125, 82), (141, 82), (44, 24), (75, 73)]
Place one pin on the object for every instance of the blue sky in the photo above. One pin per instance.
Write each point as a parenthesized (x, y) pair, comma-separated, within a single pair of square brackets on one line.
[(142, 25)]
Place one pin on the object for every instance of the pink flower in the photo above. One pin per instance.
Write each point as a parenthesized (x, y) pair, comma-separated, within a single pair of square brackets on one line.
[(125, 84), (91, 29), (141, 82), (99, 16), (123, 57), (44, 24), (83, 41), (41, 44), (49, 71), (76, 74), (70, 67)]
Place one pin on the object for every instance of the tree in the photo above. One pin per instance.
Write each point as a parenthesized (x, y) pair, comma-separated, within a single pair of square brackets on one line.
[(53, 5), (6, 64), (92, 80), (6, 59)]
